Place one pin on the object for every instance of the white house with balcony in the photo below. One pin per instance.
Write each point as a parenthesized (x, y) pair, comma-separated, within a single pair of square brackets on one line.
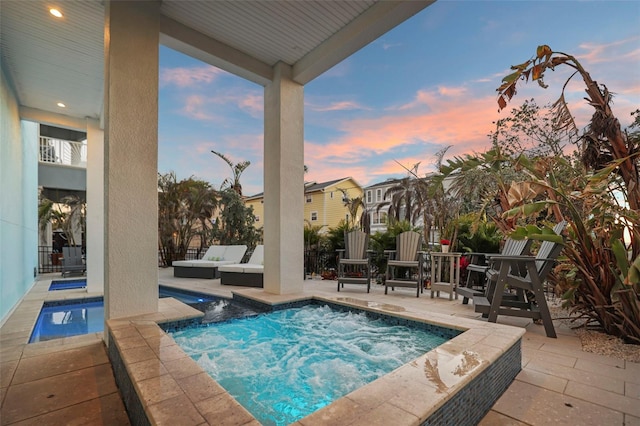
[(377, 201), (374, 196), (62, 172)]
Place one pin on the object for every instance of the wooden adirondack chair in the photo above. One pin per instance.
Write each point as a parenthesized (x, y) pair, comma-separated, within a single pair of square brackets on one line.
[(526, 274), (72, 261), (354, 262), (511, 248), (405, 264)]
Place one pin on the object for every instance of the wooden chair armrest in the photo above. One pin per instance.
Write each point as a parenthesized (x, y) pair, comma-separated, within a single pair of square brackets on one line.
[(500, 258)]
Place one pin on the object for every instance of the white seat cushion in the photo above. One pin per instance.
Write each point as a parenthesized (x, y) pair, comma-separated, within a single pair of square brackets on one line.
[(209, 263), (234, 254), (215, 253), (257, 257), (232, 268), (253, 269)]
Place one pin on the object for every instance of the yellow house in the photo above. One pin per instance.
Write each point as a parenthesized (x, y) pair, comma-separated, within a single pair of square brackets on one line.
[(324, 203)]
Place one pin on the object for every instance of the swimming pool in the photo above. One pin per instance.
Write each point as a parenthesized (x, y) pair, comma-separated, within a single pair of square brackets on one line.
[(65, 318), (285, 365), (67, 284)]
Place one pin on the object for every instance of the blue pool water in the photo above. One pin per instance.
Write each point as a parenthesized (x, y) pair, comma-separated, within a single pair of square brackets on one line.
[(71, 318), (82, 316), (286, 364), (67, 284)]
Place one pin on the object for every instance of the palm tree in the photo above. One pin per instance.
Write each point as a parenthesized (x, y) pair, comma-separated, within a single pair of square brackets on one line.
[(236, 170), (402, 200), (185, 209), (68, 215), (353, 205)]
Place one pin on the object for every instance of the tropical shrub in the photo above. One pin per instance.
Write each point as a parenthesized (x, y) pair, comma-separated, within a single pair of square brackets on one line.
[(185, 209), (235, 223), (604, 285), (68, 216), (477, 236)]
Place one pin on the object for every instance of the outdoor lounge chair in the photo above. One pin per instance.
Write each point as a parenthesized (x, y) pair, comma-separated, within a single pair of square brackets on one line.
[(72, 261), (526, 275), (405, 264), (354, 261), (207, 267), (250, 274)]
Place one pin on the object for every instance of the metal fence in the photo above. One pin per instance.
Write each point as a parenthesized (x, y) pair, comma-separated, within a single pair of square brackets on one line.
[(315, 261), (48, 261)]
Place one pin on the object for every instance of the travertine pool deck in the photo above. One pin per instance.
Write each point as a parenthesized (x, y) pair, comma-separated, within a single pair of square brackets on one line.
[(71, 379)]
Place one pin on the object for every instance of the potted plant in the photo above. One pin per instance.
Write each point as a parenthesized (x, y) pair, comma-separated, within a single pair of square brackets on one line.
[(444, 244)]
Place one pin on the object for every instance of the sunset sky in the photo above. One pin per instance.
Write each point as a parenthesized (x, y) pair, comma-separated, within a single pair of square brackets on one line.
[(427, 84)]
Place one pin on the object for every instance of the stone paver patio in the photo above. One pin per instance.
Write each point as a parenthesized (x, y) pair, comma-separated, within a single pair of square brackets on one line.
[(70, 380)]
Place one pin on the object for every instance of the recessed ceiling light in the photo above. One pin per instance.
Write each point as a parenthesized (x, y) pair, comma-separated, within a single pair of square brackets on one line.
[(61, 105), (55, 12)]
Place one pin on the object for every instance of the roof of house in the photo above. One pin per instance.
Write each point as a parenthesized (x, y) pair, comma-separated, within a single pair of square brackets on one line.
[(389, 181), (308, 187), (393, 181)]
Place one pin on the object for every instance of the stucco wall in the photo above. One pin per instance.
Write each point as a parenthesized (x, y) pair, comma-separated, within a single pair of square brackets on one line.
[(18, 201)]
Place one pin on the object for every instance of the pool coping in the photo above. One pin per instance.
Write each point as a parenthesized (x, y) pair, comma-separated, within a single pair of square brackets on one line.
[(156, 376)]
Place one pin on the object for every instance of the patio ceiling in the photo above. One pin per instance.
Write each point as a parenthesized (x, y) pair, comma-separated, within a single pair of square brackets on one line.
[(49, 60)]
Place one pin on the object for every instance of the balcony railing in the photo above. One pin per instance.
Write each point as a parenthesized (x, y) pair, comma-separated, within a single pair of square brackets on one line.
[(58, 151)]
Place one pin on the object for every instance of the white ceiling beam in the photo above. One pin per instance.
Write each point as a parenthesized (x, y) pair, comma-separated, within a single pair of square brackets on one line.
[(375, 21), (195, 44), (52, 118)]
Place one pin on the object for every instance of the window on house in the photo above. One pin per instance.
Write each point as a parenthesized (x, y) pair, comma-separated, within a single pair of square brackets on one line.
[(314, 216), (378, 218), (368, 197), (309, 199), (257, 218), (378, 195), (331, 194)]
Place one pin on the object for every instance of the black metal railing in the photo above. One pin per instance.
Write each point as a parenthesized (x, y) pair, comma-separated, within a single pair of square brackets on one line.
[(316, 262), (48, 260)]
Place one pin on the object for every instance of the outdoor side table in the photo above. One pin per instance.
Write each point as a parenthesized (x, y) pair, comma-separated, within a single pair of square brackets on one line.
[(445, 273)]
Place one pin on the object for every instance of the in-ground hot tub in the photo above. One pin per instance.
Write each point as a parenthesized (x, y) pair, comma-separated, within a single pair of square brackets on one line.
[(455, 383)]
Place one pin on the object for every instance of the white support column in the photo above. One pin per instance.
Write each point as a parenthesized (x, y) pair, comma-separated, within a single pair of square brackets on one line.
[(95, 207), (131, 157), (283, 183)]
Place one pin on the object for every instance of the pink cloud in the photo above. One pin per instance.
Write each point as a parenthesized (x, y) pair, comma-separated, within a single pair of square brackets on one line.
[(422, 97), (200, 107), (338, 106), (596, 53), (452, 91), (195, 108), (463, 123), (252, 103), (184, 77)]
